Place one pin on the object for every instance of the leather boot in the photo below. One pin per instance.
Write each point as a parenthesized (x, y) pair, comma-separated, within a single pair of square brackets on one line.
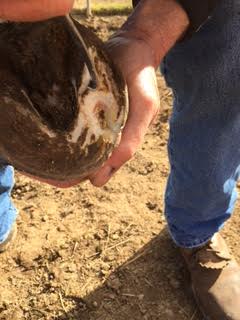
[(215, 277)]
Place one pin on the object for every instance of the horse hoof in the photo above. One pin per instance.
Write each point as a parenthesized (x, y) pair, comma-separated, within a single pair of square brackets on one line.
[(61, 110)]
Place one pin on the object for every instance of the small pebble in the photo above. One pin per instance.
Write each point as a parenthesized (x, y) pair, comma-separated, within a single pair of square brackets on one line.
[(175, 284), (95, 304), (44, 218), (141, 297), (115, 236)]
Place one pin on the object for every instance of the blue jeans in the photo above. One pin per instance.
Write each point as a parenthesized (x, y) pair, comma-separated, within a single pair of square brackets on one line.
[(204, 142), (8, 213), (204, 147)]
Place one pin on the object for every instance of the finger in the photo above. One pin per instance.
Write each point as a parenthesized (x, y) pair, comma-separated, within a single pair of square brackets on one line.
[(121, 155), (31, 10), (131, 139), (142, 110)]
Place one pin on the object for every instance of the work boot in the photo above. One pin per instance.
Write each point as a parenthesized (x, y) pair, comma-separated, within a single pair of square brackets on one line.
[(12, 235), (215, 277)]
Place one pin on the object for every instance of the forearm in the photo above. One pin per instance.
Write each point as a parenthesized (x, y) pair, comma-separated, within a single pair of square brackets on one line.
[(160, 23), (30, 10)]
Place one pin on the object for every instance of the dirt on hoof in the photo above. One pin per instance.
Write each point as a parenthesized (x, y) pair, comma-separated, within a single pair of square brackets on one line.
[(62, 109)]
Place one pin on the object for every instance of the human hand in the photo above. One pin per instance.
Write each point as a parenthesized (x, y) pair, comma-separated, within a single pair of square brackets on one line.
[(148, 34), (32, 10), (136, 61)]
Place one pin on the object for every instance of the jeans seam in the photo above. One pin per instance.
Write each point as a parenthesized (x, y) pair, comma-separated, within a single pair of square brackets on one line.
[(185, 244)]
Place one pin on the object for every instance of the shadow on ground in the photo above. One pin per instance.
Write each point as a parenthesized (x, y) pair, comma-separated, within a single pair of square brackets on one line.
[(152, 285)]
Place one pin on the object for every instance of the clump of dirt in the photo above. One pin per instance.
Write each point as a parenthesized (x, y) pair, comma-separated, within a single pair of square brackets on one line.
[(100, 254)]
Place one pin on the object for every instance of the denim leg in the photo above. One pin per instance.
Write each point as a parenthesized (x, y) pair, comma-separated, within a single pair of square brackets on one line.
[(201, 192), (204, 142), (8, 213)]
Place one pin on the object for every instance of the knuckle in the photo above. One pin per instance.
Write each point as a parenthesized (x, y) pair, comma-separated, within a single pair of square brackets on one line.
[(151, 104), (128, 153)]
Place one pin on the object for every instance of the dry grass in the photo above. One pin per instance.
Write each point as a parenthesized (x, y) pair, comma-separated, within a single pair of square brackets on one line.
[(105, 7)]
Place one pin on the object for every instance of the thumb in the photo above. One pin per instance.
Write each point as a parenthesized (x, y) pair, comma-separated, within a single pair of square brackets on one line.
[(143, 107)]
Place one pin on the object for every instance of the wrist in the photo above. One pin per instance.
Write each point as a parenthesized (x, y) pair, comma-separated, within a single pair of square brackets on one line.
[(159, 23), (130, 54)]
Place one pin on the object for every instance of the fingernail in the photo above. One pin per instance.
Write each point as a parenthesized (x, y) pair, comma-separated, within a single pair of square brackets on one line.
[(101, 172), (106, 171), (103, 176)]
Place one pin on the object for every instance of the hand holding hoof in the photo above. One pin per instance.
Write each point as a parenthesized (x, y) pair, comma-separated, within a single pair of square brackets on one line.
[(53, 124)]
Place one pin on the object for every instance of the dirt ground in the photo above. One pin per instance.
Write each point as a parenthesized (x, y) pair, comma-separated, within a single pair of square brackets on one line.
[(83, 3), (101, 254)]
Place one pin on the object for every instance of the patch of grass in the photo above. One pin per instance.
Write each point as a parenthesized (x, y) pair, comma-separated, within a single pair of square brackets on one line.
[(106, 9)]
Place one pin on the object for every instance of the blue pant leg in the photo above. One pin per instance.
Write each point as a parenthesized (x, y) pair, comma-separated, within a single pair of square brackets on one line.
[(204, 142), (8, 213)]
